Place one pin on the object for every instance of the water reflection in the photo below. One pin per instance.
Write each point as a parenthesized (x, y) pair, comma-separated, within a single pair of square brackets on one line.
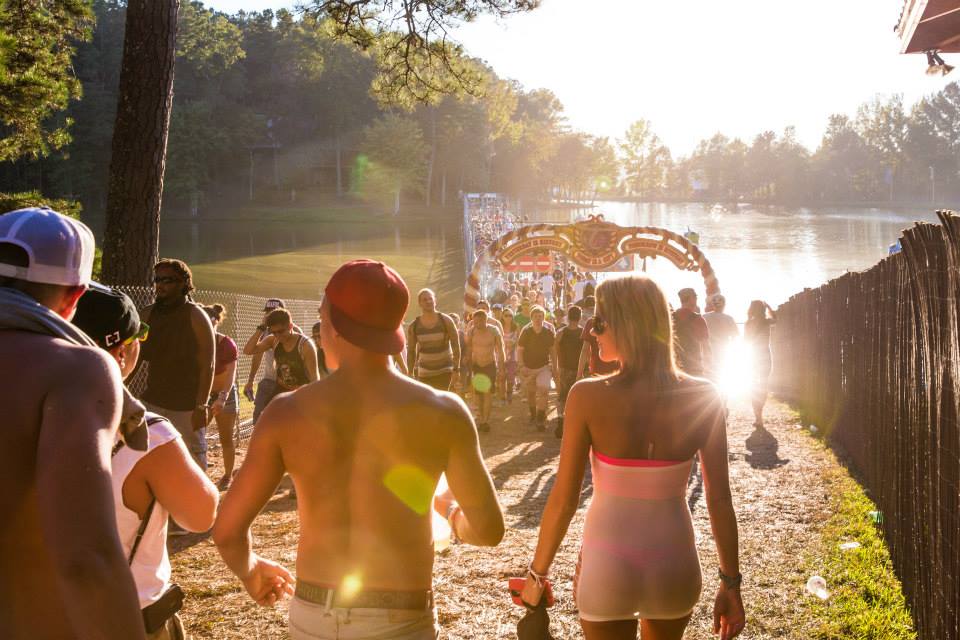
[(757, 251), (766, 252)]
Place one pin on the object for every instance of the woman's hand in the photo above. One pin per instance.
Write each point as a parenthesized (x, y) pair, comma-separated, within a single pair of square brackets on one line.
[(267, 582), (443, 501), (728, 616), (217, 407), (532, 592)]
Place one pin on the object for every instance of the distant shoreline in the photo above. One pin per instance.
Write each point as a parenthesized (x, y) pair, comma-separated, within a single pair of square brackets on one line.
[(872, 204)]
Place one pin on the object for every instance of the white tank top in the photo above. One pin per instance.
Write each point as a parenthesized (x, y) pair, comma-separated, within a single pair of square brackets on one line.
[(151, 565), (269, 366)]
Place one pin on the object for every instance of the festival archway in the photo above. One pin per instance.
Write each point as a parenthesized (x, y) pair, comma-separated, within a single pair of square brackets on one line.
[(593, 245)]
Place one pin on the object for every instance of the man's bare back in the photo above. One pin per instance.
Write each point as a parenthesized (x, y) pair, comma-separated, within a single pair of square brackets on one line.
[(365, 447), (365, 459), (47, 493)]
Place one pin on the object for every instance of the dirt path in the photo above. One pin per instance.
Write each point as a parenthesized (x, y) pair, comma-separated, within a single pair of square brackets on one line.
[(779, 497)]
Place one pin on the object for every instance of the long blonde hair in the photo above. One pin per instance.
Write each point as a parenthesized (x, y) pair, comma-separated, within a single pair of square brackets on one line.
[(636, 312)]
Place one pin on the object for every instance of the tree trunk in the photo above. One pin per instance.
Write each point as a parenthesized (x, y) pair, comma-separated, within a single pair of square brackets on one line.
[(138, 158), (433, 153), (339, 169)]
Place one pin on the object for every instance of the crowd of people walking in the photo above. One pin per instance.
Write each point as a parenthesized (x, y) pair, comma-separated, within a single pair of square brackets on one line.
[(96, 478)]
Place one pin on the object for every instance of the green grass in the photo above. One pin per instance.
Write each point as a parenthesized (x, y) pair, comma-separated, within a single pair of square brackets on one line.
[(325, 208), (866, 600), (302, 273)]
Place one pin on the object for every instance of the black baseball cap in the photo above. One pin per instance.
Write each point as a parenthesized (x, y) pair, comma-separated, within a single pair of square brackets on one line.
[(107, 315), (273, 303)]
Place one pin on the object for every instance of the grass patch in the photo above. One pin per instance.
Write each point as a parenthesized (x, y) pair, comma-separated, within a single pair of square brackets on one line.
[(866, 599), (301, 274)]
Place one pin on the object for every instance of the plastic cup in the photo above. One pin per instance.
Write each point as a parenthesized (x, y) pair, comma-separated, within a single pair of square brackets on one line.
[(817, 586)]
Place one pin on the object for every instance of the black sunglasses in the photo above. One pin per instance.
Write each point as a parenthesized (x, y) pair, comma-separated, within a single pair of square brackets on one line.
[(165, 280), (599, 325)]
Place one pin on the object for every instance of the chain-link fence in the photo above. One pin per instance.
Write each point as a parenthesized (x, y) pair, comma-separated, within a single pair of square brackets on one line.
[(243, 314), (873, 358)]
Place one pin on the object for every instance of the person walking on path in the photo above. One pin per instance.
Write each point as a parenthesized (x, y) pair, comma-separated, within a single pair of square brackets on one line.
[(537, 358), (569, 347), (224, 400), (756, 333), (591, 364), (723, 333), (63, 405), (365, 448), (691, 335), (181, 355), (486, 353), (148, 486), (267, 387), (639, 430), (511, 333), (294, 355), (433, 346)]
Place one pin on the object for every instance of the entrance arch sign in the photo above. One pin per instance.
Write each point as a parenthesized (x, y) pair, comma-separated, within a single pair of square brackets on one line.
[(592, 244)]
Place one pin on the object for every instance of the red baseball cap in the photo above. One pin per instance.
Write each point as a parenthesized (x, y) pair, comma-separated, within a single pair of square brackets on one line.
[(367, 301)]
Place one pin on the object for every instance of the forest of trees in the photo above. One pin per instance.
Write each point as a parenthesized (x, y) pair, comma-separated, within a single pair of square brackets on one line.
[(271, 105)]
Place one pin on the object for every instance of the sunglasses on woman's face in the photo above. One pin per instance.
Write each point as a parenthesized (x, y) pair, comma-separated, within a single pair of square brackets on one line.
[(599, 325), (140, 335), (165, 280)]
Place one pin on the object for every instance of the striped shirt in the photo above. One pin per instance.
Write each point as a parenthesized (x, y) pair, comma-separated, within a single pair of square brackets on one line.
[(434, 353)]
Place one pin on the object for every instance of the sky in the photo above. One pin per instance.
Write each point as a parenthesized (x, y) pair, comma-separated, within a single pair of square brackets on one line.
[(696, 67)]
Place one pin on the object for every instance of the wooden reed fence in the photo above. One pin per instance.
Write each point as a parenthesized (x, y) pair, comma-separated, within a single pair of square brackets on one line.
[(873, 359)]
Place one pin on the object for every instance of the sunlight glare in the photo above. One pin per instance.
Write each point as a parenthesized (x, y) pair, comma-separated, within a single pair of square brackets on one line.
[(736, 370)]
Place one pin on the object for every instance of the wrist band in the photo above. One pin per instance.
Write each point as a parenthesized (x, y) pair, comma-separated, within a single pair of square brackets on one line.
[(730, 582), (452, 512), (537, 577)]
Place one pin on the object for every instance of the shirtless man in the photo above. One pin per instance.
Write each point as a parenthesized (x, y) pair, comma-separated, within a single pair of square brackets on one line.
[(62, 569), (365, 448), (485, 346)]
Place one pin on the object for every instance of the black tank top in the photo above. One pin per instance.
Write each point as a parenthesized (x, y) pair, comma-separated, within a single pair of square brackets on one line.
[(291, 371), (172, 378)]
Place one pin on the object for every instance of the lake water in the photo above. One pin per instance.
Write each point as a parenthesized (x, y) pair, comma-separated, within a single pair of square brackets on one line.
[(757, 252), (767, 253)]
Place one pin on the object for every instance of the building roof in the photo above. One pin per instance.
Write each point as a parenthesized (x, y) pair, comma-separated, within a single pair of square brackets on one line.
[(929, 24)]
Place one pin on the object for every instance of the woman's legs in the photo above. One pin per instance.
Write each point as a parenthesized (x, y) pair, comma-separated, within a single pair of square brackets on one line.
[(615, 630), (226, 421), (627, 629), (663, 629)]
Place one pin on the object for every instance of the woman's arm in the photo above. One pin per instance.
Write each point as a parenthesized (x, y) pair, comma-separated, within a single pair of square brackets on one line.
[(225, 379), (565, 494), (728, 613), (180, 485), (221, 385)]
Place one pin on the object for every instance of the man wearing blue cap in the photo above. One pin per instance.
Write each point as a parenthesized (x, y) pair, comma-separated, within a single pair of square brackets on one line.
[(63, 573)]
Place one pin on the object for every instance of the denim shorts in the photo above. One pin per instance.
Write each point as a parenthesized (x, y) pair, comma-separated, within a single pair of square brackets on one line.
[(233, 400)]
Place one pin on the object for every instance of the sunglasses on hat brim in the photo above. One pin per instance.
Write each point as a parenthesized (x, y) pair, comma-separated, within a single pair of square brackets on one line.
[(142, 334)]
